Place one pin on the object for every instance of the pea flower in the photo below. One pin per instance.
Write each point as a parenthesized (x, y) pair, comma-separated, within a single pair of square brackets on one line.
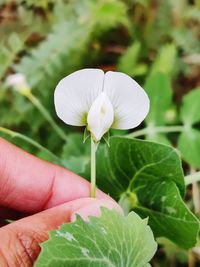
[(100, 101)]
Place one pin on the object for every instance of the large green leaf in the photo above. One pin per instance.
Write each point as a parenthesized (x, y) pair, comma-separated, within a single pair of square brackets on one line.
[(148, 176), (109, 241)]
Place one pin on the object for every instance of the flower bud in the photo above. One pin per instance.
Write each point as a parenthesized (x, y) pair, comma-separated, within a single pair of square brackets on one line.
[(100, 117), (18, 82)]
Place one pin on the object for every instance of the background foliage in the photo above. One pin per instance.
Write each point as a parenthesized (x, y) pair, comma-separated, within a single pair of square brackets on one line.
[(154, 41)]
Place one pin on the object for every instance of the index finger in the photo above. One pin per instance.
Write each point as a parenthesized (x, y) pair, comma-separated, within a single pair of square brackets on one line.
[(30, 184)]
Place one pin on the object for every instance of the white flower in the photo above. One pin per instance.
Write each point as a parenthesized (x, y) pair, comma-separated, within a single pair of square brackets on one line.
[(17, 81), (100, 101)]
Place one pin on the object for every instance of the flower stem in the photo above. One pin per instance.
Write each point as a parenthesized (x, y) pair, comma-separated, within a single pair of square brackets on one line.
[(35, 101), (14, 134), (157, 129), (191, 178), (93, 168)]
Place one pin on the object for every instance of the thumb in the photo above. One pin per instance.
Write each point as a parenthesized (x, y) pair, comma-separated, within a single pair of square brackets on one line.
[(20, 240)]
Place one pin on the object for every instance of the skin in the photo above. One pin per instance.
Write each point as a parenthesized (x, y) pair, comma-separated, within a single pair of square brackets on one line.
[(41, 196)]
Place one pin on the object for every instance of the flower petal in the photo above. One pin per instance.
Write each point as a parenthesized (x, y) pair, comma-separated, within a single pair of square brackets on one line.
[(75, 94), (100, 116), (129, 100)]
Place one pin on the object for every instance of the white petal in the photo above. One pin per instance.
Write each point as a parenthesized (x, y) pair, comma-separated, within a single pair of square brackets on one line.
[(75, 94), (100, 117), (129, 100)]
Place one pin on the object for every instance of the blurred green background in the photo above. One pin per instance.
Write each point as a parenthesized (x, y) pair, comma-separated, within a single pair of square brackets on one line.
[(47, 40)]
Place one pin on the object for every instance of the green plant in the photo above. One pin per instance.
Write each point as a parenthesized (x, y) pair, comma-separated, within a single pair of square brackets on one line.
[(157, 43)]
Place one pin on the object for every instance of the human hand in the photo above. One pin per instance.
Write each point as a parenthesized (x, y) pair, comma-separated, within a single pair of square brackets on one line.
[(51, 193)]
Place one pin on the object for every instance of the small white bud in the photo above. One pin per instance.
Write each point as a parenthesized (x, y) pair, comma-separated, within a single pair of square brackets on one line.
[(18, 82)]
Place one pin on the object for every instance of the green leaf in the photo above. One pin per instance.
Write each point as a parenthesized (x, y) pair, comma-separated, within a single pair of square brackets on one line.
[(109, 241), (190, 107), (165, 60), (189, 141), (128, 63), (153, 173), (189, 146), (169, 216), (158, 88), (108, 14), (181, 34)]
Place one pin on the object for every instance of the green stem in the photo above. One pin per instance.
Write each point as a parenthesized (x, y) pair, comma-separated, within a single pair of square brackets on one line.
[(191, 178), (157, 129), (93, 168), (14, 134), (45, 113)]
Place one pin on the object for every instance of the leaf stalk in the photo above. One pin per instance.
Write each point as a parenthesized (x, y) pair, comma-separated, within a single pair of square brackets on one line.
[(35, 101), (157, 129), (14, 134)]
